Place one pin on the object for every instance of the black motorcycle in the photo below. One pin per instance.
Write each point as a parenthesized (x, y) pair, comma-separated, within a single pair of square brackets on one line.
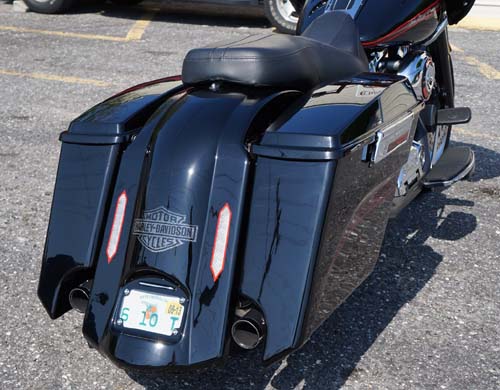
[(240, 203)]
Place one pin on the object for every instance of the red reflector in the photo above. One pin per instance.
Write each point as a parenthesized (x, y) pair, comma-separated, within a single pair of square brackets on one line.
[(221, 241), (116, 228)]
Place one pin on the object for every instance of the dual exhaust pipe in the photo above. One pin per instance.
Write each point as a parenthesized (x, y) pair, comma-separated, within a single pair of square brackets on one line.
[(247, 331)]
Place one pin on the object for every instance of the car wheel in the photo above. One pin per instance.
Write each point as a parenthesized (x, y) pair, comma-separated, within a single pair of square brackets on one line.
[(49, 6), (282, 15)]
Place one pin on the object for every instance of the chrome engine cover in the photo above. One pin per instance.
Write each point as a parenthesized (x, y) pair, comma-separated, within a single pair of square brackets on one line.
[(419, 69)]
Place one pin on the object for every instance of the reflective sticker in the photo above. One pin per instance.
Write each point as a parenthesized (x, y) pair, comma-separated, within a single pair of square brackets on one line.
[(116, 228), (161, 229), (221, 241)]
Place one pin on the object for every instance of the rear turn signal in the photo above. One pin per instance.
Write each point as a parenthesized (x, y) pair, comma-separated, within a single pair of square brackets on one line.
[(116, 228), (220, 243)]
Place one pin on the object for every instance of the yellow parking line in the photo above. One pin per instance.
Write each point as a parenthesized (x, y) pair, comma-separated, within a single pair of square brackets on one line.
[(486, 70), (139, 27), (474, 133), (135, 33), (53, 77), (63, 34)]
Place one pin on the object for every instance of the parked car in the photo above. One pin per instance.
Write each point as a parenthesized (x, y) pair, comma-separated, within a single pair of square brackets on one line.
[(282, 14)]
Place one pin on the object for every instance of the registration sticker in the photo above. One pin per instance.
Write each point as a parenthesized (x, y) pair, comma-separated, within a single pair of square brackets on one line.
[(156, 313)]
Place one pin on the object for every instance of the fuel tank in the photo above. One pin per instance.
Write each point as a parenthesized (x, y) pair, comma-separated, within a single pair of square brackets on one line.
[(385, 22)]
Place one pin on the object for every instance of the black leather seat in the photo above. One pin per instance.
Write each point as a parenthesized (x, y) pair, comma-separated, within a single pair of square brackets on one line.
[(328, 51)]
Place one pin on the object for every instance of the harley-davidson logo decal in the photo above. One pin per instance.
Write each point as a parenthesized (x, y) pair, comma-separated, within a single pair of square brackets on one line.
[(160, 230)]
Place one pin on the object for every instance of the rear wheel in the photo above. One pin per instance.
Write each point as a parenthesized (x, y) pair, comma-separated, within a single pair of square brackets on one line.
[(282, 14), (49, 6), (445, 98)]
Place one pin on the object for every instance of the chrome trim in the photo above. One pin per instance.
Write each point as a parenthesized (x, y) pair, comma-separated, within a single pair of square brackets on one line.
[(420, 70), (413, 170), (375, 62), (439, 30), (156, 285), (448, 183), (390, 134), (352, 8), (439, 144)]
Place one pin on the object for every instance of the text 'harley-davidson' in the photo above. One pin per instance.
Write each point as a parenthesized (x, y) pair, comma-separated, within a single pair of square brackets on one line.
[(242, 202)]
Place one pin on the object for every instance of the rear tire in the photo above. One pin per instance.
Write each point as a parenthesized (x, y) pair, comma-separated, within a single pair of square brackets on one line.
[(282, 15), (49, 6)]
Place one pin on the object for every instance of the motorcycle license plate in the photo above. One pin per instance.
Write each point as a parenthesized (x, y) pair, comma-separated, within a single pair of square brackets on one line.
[(156, 313)]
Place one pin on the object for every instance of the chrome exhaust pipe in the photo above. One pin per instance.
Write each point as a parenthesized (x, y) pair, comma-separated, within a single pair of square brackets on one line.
[(248, 331), (79, 298)]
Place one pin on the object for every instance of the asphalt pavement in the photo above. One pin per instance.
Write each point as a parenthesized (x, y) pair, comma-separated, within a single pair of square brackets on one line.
[(427, 318)]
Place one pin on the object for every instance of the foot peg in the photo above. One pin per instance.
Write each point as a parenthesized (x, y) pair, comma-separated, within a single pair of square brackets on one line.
[(453, 116), (457, 163)]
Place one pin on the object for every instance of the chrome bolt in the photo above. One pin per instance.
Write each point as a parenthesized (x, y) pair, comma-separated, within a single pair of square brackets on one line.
[(175, 332), (119, 322), (182, 301), (126, 292)]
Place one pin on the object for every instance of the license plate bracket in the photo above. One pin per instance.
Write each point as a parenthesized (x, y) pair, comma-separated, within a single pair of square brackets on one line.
[(150, 312)]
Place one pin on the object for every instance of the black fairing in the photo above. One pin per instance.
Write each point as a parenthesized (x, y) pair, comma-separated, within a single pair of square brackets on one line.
[(458, 9)]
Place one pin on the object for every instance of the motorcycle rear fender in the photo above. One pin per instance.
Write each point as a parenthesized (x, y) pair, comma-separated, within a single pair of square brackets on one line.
[(293, 169), (189, 161)]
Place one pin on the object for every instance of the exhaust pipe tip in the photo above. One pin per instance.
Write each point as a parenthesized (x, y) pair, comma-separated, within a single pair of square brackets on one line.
[(248, 331), (79, 299), (245, 334)]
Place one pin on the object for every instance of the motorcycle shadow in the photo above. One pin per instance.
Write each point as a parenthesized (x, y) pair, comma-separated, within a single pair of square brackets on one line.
[(406, 264), (487, 162)]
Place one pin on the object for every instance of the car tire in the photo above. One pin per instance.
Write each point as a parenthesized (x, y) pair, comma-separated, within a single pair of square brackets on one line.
[(49, 6), (282, 15)]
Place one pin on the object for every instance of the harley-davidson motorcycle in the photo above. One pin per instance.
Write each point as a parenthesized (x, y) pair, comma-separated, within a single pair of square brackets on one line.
[(241, 203)]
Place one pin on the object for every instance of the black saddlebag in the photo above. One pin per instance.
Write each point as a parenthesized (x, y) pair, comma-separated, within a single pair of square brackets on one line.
[(89, 159), (324, 182)]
